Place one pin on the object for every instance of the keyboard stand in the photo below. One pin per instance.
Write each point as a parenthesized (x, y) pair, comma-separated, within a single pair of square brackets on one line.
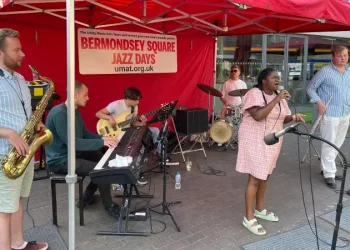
[(125, 210), (137, 195)]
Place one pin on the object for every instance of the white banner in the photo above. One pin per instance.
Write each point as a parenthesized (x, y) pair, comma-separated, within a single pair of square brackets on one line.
[(119, 52)]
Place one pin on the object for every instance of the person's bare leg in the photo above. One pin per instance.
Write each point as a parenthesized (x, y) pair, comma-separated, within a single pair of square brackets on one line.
[(260, 195), (17, 239), (250, 194), (5, 235)]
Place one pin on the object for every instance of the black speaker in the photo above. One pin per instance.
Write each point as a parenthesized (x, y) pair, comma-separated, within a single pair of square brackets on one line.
[(191, 120)]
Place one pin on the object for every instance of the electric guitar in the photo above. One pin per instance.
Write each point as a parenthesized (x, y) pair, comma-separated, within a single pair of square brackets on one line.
[(104, 128)]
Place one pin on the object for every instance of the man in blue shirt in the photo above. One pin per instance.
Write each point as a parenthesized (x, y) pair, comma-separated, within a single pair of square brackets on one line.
[(332, 81), (15, 111)]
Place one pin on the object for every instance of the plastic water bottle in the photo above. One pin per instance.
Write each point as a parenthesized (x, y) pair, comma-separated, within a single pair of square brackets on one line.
[(188, 164), (178, 181)]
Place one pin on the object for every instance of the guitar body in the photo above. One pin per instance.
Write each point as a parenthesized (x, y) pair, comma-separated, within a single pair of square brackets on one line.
[(104, 128)]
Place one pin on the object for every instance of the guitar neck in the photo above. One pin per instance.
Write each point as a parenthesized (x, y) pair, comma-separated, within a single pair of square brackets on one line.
[(122, 124)]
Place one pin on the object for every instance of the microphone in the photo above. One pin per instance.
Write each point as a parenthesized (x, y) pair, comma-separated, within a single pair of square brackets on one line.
[(273, 138), (280, 89), (2, 73)]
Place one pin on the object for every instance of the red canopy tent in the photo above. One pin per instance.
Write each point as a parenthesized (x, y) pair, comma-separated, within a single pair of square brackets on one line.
[(336, 10), (220, 17), (195, 22)]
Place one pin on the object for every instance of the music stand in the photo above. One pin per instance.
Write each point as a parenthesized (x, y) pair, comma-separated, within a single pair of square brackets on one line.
[(163, 113), (162, 116)]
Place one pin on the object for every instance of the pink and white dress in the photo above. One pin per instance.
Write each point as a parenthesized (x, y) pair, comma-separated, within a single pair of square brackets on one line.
[(254, 156)]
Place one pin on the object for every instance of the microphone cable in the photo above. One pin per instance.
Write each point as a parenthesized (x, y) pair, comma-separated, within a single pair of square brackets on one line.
[(146, 206), (209, 170), (312, 192), (149, 210), (27, 210)]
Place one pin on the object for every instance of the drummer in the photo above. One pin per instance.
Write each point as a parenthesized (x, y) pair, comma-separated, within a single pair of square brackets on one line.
[(232, 84)]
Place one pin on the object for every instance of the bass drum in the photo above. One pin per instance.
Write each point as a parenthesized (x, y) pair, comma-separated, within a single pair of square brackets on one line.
[(221, 131)]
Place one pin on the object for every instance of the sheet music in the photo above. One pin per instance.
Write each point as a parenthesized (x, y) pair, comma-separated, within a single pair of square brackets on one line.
[(105, 157)]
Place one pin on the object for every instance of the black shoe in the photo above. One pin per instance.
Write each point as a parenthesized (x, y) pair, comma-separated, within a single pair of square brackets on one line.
[(89, 200), (330, 182), (338, 177), (113, 210)]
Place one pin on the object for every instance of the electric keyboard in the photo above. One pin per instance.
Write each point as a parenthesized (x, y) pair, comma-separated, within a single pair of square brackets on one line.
[(135, 142)]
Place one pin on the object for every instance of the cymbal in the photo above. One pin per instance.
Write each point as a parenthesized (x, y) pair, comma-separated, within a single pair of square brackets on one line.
[(238, 92), (209, 90)]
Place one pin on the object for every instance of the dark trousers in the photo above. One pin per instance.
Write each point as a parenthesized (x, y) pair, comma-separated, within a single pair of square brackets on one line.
[(84, 164)]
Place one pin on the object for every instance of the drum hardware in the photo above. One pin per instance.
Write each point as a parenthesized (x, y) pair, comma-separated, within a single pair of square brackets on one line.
[(211, 91), (225, 130), (234, 137), (238, 92), (199, 139)]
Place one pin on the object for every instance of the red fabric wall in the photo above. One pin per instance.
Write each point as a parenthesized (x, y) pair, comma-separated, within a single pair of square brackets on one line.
[(46, 50)]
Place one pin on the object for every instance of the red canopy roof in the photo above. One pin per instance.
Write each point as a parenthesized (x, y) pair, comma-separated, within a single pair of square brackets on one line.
[(220, 17), (4, 3), (336, 10)]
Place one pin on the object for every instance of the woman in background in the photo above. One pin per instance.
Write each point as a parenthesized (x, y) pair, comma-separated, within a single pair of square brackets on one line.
[(264, 112)]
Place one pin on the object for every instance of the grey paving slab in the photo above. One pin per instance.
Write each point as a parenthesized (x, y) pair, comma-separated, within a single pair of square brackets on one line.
[(344, 218), (47, 233), (212, 209), (301, 238)]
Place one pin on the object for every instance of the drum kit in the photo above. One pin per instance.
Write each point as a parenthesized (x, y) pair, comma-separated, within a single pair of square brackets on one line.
[(224, 130)]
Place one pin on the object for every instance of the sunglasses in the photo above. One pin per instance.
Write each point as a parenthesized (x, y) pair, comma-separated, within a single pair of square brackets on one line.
[(234, 70)]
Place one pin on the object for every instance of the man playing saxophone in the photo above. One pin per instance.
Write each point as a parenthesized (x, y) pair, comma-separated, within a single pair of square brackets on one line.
[(15, 111), (332, 81)]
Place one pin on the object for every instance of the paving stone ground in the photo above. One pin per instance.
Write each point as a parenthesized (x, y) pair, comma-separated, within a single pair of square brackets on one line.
[(212, 209)]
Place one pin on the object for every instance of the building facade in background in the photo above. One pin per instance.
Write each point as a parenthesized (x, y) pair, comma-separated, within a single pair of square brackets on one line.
[(295, 57)]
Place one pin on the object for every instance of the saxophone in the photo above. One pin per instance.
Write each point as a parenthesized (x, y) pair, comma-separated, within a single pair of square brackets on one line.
[(14, 164), (319, 118), (314, 128)]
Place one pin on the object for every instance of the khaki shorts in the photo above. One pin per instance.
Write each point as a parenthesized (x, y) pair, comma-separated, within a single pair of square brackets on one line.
[(12, 190)]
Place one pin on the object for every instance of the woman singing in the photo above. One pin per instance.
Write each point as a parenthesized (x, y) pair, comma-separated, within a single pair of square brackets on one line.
[(264, 112)]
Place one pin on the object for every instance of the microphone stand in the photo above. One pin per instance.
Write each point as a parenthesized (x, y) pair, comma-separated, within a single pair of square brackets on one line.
[(163, 115), (164, 204), (340, 202)]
